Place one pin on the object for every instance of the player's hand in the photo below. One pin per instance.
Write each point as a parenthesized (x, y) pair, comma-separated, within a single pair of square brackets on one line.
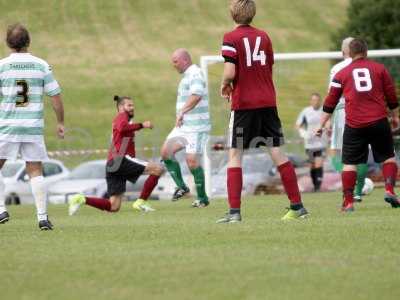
[(319, 132), (179, 120), (147, 124), (60, 131), (226, 91)]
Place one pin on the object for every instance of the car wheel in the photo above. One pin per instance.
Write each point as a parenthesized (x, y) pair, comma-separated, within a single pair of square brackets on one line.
[(12, 199)]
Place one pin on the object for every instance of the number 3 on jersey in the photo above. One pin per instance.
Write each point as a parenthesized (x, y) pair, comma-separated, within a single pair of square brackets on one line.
[(22, 93), (257, 54), (362, 80)]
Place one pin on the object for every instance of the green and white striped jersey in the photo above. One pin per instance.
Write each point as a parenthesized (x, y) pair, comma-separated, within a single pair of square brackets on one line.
[(193, 83), (24, 79)]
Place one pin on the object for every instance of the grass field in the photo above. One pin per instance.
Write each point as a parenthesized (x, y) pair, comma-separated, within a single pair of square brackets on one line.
[(101, 48), (179, 253)]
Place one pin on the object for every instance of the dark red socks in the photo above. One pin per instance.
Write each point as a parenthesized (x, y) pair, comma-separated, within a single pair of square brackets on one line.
[(99, 203), (234, 185), (149, 186), (349, 179), (389, 171), (289, 181)]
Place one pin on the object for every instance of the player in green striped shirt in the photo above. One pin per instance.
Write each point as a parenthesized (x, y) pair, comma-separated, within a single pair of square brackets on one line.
[(191, 128), (24, 79)]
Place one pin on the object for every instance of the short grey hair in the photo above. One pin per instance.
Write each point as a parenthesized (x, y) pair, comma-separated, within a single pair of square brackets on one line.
[(346, 45)]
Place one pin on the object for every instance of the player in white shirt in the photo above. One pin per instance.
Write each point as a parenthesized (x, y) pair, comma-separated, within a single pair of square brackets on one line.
[(307, 122), (338, 122), (24, 80), (191, 128)]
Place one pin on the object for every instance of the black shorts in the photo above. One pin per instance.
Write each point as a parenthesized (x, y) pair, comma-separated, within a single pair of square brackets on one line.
[(120, 170), (254, 128), (314, 153), (356, 140)]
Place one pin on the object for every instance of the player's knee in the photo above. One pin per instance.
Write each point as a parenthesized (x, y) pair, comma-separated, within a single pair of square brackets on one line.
[(192, 163), (115, 207), (159, 170), (390, 160), (164, 154)]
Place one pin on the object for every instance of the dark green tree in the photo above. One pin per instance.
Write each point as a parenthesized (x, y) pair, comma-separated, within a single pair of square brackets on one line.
[(377, 21)]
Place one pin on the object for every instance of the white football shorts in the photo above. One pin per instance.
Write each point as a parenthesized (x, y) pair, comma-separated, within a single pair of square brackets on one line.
[(194, 142), (27, 151)]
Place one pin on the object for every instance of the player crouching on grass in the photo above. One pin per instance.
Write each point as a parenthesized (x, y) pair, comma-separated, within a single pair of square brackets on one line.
[(368, 90), (122, 165)]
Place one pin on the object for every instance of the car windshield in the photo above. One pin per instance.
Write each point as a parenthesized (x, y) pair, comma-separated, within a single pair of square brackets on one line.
[(89, 171), (10, 169)]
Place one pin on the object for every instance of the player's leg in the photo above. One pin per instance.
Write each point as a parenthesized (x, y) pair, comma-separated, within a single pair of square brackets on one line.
[(349, 178), (39, 192), (234, 186), (33, 154), (173, 144), (354, 152), (313, 173), (8, 150), (382, 147), (389, 170), (240, 136), (111, 205), (4, 216), (362, 170), (289, 181), (318, 169), (116, 186), (154, 170), (337, 139), (193, 151)]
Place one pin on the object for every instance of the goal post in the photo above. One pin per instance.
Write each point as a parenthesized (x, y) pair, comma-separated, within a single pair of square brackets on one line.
[(206, 61)]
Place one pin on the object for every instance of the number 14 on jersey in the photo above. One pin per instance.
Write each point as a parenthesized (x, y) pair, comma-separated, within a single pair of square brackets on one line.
[(257, 55)]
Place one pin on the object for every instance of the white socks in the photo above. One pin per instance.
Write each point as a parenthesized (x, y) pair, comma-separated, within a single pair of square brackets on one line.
[(2, 196), (40, 195)]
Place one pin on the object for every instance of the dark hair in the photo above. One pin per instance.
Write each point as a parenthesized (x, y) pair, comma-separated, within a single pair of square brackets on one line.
[(18, 37), (358, 46), (120, 99)]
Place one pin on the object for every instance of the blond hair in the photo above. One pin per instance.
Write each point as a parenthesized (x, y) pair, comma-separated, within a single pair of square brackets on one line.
[(346, 46), (243, 11)]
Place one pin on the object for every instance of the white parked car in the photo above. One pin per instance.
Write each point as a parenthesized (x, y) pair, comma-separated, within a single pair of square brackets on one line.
[(17, 186), (89, 178)]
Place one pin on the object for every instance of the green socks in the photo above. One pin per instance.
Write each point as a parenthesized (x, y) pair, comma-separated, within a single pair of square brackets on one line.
[(199, 180), (175, 170), (362, 170), (336, 162)]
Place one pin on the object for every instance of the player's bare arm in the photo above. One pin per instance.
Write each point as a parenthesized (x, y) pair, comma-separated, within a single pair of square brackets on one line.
[(58, 107), (189, 105), (227, 80), (324, 120)]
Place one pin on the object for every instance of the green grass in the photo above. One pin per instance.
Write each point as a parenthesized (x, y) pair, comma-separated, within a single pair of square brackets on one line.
[(101, 48), (180, 253)]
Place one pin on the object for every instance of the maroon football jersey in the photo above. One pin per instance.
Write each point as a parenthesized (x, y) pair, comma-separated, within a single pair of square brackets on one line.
[(250, 49), (123, 137), (368, 89)]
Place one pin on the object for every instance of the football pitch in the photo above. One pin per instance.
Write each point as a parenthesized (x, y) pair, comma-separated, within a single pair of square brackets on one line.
[(180, 253)]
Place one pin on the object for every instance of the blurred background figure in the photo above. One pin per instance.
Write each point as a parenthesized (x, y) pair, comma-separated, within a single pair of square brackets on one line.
[(306, 124)]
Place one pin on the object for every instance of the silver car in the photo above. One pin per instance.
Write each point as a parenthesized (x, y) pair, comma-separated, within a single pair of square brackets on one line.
[(17, 186), (89, 178), (258, 171)]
